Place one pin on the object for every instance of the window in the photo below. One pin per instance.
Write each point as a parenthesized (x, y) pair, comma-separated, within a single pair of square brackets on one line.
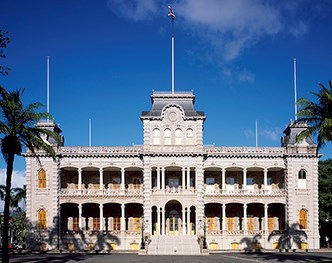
[(178, 137), (303, 219), (302, 179), (156, 136), (41, 178), (116, 223), (190, 137), (167, 137), (41, 219)]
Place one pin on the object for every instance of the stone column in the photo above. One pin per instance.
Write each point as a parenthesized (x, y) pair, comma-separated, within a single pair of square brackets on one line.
[(158, 221), (244, 178), (163, 227), (224, 218), (80, 216), (266, 216), (183, 178), (183, 221), (122, 178), (188, 178), (158, 178), (163, 178), (188, 221), (223, 179), (265, 178), (101, 217), (79, 179), (244, 226), (123, 220), (101, 179)]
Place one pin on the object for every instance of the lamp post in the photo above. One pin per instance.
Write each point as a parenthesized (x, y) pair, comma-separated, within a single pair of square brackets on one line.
[(143, 228), (203, 225)]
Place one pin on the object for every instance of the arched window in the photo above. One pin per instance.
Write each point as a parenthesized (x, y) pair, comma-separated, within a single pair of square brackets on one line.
[(167, 137), (41, 219), (303, 219), (190, 137), (41, 178), (156, 136), (178, 136), (302, 179)]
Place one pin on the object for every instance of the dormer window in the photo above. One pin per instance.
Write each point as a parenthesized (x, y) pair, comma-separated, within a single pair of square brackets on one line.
[(178, 136), (167, 137), (156, 136)]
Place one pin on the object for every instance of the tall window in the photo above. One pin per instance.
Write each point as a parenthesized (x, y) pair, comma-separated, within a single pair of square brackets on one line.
[(156, 136), (167, 137), (41, 219), (303, 219), (41, 178), (302, 179), (190, 137), (178, 136)]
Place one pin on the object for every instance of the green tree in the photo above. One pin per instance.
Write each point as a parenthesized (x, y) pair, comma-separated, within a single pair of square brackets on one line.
[(17, 126), (318, 116), (20, 194), (325, 190), (4, 41)]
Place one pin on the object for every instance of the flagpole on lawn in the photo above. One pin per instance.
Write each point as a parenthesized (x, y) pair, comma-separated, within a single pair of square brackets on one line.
[(172, 15)]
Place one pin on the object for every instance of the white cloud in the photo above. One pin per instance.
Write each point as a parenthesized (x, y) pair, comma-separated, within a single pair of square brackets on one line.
[(225, 28), (273, 134), (18, 180), (135, 10)]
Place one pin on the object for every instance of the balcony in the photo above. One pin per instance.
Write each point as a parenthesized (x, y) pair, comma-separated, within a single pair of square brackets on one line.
[(94, 190), (241, 190)]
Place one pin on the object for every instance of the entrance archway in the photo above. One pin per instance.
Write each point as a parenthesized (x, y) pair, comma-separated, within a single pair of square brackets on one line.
[(173, 218)]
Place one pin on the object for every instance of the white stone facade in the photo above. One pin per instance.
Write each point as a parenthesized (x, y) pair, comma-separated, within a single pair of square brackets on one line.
[(175, 185)]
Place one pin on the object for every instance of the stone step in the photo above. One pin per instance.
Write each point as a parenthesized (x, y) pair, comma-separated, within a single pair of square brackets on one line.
[(174, 245)]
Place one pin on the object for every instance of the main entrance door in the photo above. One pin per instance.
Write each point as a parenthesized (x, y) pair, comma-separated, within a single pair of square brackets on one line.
[(173, 223), (173, 218)]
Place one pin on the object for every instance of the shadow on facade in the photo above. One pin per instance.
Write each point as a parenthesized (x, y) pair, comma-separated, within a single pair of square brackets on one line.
[(55, 239), (291, 238), (252, 244)]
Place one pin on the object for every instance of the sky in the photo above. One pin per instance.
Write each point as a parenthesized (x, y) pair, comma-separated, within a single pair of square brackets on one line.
[(107, 56)]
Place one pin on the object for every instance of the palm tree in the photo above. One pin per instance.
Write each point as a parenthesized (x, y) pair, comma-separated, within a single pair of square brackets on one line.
[(318, 116), (20, 194), (17, 125)]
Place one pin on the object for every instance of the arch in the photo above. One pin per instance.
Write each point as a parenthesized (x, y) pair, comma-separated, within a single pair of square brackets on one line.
[(156, 136), (41, 178), (41, 225), (303, 219), (167, 136), (168, 106)]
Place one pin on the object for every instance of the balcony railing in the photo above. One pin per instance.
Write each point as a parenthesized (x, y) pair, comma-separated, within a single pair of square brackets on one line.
[(214, 190), (94, 189), (174, 190)]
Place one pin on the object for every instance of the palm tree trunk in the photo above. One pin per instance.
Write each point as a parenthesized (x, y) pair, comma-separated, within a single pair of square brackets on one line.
[(5, 250)]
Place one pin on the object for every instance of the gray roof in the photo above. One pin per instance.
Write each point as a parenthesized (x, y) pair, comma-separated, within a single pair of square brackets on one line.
[(185, 100)]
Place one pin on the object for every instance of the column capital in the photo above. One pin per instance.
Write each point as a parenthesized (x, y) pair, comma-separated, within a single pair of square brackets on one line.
[(244, 170), (245, 205), (266, 205), (101, 169), (101, 205)]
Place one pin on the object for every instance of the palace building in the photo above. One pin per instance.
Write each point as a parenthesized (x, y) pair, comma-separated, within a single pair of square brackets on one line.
[(173, 194)]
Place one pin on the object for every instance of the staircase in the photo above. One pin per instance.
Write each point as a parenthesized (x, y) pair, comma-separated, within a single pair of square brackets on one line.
[(174, 245)]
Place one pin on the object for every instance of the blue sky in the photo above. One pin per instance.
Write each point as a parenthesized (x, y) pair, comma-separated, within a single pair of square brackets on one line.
[(108, 55)]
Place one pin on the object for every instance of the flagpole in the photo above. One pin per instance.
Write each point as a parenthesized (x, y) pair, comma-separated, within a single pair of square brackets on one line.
[(172, 15), (48, 86), (295, 95)]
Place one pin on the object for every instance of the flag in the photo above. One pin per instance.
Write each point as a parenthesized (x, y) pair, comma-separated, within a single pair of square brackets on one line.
[(171, 12)]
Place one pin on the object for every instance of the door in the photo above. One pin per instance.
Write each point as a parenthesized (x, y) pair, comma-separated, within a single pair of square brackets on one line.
[(173, 223), (173, 183)]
